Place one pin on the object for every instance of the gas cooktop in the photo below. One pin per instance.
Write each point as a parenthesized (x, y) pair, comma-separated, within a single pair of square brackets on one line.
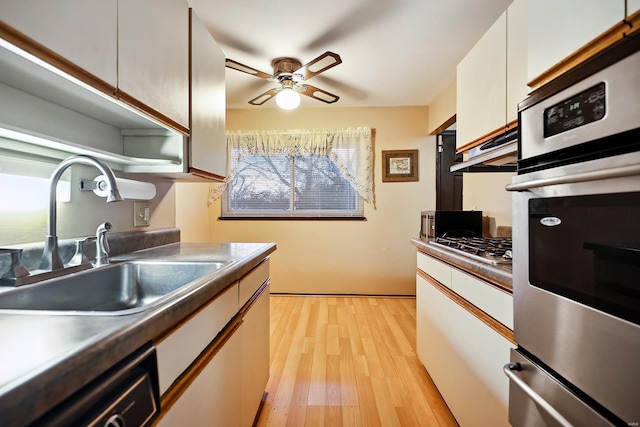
[(492, 250)]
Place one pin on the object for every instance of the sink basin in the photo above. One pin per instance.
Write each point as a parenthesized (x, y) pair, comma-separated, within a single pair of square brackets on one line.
[(116, 289)]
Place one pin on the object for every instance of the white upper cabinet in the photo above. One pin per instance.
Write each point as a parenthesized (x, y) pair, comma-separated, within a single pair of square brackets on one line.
[(517, 88), (492, 78), (82, 31), (632, 7), (481, 88), (153, 56), (557, 28), (208, 143)]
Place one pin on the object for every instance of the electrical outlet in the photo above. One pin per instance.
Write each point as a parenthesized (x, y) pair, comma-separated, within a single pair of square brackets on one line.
[(141, 214)]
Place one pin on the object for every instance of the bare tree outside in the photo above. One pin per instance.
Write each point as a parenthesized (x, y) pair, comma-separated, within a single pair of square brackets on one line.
[(286, 183)]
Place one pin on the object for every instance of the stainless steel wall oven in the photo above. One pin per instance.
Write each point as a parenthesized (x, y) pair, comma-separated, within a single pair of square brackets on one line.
[(576, 248)]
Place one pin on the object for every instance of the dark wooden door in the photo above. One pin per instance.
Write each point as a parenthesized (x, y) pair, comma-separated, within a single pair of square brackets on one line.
[(448, 184)]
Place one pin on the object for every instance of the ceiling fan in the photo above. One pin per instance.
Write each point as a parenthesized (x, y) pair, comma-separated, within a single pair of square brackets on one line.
[(292, 77)]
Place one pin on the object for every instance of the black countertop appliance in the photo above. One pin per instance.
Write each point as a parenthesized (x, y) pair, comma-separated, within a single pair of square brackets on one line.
[(450, 224)]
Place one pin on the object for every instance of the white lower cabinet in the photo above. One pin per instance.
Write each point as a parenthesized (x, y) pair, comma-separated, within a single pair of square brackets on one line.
[(213, 398), (255, 357), (178, 350), (464, 357), (213, 369)]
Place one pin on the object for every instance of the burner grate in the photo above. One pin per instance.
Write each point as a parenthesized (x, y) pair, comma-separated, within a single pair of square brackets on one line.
[(494, 250)]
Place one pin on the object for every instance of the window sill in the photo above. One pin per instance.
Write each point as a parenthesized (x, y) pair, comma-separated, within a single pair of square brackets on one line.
[(292, 218)]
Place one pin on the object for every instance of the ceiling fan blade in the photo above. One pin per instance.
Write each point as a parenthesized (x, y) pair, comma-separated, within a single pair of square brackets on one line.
[(319, 94), (230, 63), (262, 98), (320, 64)]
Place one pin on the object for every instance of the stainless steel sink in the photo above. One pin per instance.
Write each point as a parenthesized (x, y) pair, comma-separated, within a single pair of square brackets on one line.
[(115, 289)]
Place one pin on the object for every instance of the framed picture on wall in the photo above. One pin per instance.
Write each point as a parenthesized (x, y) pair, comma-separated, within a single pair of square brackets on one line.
[(399, 165)]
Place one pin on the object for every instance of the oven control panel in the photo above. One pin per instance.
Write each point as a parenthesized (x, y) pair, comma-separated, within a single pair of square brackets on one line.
[(586, 107)]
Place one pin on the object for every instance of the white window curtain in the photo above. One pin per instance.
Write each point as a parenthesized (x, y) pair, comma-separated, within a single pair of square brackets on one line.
[(350, 149)]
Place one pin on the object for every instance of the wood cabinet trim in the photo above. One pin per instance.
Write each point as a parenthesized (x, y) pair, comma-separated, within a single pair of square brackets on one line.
[(634, 23), (47, 55), (145, 109), (498, 327), (592, 48), (444, 126), (207, 175), (488, 136), (245, 309)]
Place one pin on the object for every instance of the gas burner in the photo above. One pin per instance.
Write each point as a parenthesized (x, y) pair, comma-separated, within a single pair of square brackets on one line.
[(492, 250)]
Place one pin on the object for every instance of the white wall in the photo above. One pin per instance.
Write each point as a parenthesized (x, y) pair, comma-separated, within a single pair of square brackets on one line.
[(485, 192)]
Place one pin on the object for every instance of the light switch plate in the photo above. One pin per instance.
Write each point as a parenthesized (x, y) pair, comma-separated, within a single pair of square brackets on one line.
[(141, 214)]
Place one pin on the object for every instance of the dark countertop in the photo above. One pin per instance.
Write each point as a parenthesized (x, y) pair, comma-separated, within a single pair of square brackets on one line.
[(499, 275), (46, 357)]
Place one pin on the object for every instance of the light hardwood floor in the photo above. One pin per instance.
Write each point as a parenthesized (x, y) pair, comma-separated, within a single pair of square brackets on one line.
[(348, 361)]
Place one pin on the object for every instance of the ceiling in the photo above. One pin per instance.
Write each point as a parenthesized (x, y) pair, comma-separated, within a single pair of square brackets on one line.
[(394, 52)]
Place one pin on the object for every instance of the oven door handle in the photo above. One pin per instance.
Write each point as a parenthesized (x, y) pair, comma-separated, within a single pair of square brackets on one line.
[(619, 172), (509, 369)]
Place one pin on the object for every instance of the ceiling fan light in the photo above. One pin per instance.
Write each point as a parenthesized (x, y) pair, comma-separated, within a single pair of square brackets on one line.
[(288, 99)]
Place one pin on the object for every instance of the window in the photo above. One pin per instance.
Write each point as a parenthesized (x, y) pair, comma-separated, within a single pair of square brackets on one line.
[(298, 174)]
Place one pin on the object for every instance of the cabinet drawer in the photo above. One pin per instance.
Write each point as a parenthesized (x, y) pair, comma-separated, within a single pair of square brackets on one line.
[(178, 350), (492, 301), (436, 269), (250, 283)]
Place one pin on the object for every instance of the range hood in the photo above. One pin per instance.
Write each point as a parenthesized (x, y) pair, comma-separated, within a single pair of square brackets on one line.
[(499, 154)]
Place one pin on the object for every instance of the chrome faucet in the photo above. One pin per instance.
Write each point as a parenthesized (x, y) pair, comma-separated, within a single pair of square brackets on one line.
[(51, 256), (102, 246)]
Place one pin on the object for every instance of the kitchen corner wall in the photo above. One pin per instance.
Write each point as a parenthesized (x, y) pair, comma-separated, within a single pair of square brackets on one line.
[(486, 192), (81, 216), (332, 257)]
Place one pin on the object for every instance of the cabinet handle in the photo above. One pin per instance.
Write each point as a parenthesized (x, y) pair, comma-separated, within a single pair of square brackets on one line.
[(618, 172), (509, 369)]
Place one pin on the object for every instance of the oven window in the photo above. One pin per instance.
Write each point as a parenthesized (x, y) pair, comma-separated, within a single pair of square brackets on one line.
[(587, 248)]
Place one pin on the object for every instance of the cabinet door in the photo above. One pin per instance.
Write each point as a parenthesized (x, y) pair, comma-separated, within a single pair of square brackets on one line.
[(632, 7), (255, 354), (208, 151), (517, 88), (464, 357), (82, 31), (556, 29), (213, 399), (179, 349), (481, 87), (153, 55)]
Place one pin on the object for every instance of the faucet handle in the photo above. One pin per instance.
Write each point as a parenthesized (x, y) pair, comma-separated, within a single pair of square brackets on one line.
[(80, 256), (16, 269), (102, 245)]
